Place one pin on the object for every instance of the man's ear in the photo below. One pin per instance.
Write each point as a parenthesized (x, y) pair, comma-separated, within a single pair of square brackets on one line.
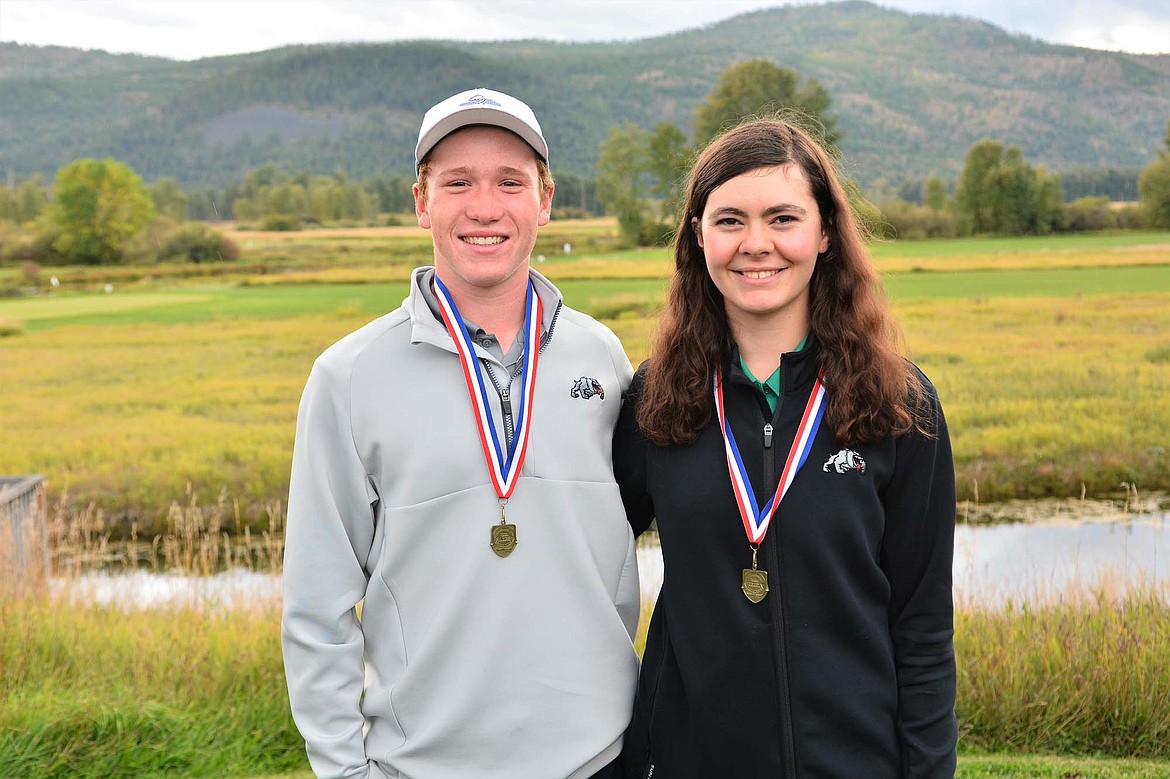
[(420, 208), (545, 208)]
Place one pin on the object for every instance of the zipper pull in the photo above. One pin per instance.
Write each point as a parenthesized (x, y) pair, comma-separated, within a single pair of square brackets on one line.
[(768, 435), (506, 402)]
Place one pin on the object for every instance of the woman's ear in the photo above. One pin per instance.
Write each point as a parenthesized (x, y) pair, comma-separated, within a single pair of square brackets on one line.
[(698, 228)]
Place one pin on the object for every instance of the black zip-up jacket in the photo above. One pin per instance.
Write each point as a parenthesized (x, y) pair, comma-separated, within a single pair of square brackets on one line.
[(846, 668)]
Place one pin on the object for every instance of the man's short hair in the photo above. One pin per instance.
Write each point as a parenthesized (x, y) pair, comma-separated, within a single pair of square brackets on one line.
[(545, 175)]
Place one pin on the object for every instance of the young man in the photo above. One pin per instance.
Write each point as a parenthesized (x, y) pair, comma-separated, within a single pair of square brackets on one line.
[(452, 475)]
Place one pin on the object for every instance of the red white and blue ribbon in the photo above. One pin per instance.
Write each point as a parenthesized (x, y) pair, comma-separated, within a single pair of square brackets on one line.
[(756, 519), (503, 466)]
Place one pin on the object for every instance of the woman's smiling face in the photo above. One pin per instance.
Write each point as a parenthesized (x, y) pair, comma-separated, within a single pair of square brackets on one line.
[(761, 233)]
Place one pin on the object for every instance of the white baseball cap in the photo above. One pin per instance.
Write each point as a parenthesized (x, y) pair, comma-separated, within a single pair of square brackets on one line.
[(479, 106)]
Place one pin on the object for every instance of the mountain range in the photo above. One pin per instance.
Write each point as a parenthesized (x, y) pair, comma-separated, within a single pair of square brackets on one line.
[(911, 94)]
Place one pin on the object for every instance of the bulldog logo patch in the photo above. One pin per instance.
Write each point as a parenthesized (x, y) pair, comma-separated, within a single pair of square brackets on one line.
[(586, 388), (845, 461)]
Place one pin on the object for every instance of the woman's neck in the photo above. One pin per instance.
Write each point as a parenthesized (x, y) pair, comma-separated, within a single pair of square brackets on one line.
[(762, 341)]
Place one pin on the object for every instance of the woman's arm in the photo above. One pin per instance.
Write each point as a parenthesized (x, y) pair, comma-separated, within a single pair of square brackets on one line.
[(917, 555), (630, 448)]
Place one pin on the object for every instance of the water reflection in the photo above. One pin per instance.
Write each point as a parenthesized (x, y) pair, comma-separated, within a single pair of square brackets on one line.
[(237, 588), (1033, 562), (1044, 562), (1021, 562)]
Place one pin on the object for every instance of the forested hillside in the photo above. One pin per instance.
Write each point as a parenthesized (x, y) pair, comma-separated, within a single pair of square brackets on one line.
[(912, 93)]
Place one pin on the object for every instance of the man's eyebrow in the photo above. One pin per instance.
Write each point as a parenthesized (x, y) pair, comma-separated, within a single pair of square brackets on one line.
[(508, 170), (503, 170), (462, 170)]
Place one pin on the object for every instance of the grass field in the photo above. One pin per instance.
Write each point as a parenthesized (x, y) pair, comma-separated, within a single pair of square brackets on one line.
[(1052, 357), (98, 692), (1054, 370)]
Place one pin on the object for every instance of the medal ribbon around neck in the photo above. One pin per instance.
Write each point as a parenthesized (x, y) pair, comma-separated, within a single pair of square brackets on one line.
[(755, 519), (504, 469)]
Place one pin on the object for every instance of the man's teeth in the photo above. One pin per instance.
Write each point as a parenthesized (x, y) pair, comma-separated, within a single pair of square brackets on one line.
[(484, 240), (759, 274)]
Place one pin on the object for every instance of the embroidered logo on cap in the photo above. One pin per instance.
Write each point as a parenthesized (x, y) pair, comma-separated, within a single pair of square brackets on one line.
[(845, 461), (586, 387), (480, 100)]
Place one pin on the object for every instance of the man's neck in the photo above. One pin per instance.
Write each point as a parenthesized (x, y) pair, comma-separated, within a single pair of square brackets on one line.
[(498, 310)]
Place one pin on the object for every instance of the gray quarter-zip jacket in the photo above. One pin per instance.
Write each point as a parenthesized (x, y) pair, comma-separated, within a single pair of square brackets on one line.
[(462, 664)]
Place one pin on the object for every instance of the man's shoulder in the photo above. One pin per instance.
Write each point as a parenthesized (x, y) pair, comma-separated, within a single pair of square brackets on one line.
[(586, 326), (381, 333)]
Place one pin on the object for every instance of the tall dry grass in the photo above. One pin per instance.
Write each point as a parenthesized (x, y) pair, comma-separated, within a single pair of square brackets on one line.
[(186, 689), (193, 690), (198, 540), (1084, 671)]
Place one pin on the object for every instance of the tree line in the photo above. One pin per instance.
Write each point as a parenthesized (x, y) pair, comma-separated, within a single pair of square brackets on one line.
[(100, 211), (641, 174)]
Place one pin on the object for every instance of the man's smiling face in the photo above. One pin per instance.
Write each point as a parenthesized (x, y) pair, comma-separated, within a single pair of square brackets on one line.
[(483, 202)]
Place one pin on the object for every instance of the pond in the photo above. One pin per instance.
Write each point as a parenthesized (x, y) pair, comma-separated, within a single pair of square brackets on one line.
[(1037, 561), (1056, 556)]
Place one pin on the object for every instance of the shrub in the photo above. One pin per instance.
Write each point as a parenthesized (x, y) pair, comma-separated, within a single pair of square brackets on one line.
[(281, 223), (196, 242), (657, 234), (1131, 216), (35, 247), (570, 212), (899, 219), (1089, 213)]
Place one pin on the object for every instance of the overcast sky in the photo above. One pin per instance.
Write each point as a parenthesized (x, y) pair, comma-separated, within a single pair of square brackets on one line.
[(192, 29)]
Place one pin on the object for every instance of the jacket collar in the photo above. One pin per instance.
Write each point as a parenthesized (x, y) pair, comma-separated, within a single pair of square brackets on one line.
[(427, 327), (798, 369)]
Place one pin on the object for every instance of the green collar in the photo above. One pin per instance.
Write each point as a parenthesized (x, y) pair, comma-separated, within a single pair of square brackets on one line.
[(771, 385)]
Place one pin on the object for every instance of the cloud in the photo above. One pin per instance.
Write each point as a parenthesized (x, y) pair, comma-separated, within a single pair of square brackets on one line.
[(190, 29)]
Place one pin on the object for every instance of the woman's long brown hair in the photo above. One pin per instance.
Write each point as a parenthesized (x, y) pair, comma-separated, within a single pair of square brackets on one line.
[(871, 393)]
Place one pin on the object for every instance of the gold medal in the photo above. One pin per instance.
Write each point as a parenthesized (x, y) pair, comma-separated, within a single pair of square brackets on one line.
[(755, 581), (503, 534), (756, 520), (504, 466), (504, 540)]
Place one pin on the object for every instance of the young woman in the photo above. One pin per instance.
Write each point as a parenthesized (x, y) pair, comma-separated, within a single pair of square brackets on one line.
[(800, 473)]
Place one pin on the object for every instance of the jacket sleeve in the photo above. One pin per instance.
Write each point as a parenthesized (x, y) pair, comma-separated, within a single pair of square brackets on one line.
[(630, 448), (328, 539), (917, 554)]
